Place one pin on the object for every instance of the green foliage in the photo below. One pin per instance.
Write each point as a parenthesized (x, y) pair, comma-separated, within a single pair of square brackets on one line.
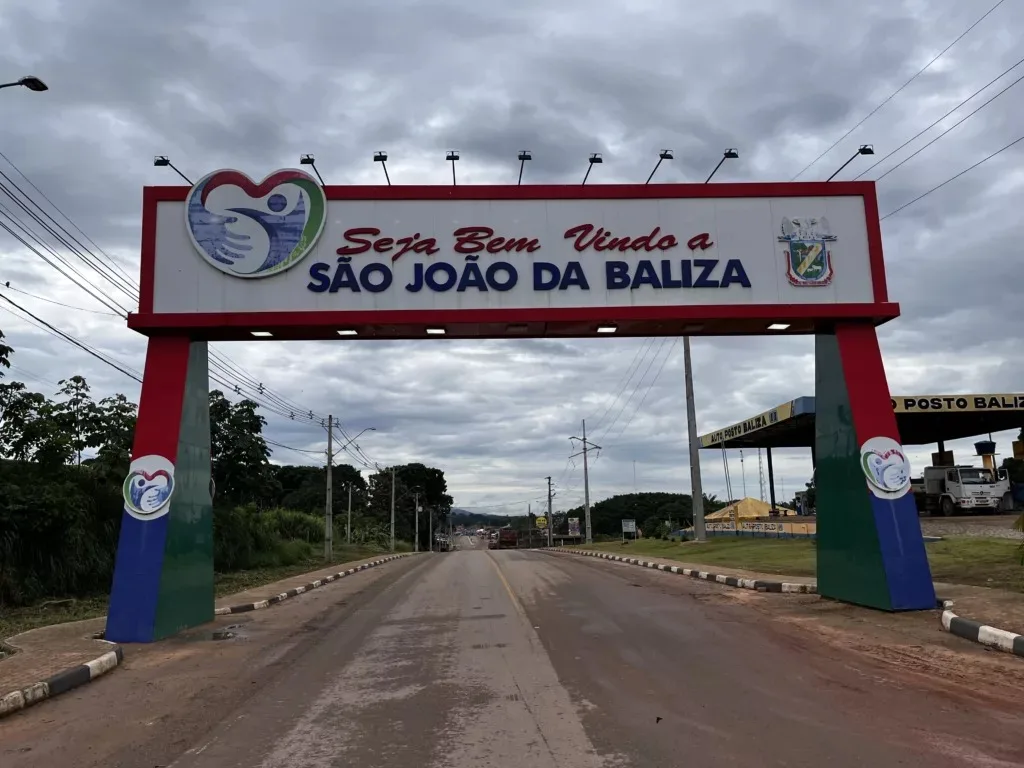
[(5, 355), (607, 515), (241, 466), (246, 537), (410, 480), (58, 531), (63, 458)]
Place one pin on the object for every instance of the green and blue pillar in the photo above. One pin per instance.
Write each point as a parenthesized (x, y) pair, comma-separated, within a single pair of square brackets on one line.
[(870, 548), (163, 575)]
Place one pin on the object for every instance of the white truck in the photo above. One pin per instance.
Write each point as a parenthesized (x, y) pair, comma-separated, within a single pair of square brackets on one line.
[(952, 490)]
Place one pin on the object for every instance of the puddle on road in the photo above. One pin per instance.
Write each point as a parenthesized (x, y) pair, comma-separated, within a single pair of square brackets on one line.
[(230, 632)]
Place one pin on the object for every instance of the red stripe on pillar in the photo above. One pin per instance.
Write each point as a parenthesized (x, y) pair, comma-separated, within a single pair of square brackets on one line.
[(866, 384), (162, 398)]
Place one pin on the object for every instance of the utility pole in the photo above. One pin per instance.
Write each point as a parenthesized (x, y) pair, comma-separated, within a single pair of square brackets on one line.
[(392, 509), (329, 511), (348, 524), (430, 530), (416, 543), (587, 447), (696, 492), (551, 521)]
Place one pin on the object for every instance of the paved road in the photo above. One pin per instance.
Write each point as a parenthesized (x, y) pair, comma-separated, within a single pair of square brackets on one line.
[(516, 658)]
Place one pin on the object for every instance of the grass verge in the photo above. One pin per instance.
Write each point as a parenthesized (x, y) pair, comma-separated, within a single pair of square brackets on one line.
[(60, 611), (975, 561)]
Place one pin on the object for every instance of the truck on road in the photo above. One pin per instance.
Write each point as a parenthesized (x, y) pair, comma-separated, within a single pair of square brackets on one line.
[(952, 490), (508, 538)]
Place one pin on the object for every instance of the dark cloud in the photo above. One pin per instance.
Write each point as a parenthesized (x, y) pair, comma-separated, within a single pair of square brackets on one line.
[(251, 85)]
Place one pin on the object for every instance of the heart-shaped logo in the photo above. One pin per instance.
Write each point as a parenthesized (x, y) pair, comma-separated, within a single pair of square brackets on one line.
[(249, 230), (886, 467), (147, 489)]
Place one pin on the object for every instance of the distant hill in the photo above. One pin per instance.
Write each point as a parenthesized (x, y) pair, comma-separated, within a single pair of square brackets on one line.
[(469, 517)]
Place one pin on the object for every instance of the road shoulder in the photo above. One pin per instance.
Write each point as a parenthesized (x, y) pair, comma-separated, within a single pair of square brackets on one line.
[(49, 661), (1007, 607)]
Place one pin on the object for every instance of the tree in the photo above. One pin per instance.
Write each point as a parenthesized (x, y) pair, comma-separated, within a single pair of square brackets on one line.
[(30, 429), (115, 431), (77, 415), (5, 354), (410, 479), (239, 454), (304, 488)]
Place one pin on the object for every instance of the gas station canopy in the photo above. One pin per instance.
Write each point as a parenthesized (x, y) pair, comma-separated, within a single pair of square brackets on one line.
[(921, 419)]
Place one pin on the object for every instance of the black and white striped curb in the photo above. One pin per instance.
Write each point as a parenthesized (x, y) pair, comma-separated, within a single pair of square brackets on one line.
[(976, 632), (759, 585), (305, 588), (61, 682)]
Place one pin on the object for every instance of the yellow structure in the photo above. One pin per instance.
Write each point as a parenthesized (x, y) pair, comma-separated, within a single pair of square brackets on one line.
[(747, 509)]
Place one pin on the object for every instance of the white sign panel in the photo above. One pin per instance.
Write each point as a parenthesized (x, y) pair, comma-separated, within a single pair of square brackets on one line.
[(629, 526), (281, 246)]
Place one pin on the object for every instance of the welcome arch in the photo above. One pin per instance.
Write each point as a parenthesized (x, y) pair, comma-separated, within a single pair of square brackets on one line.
[(285, 258)]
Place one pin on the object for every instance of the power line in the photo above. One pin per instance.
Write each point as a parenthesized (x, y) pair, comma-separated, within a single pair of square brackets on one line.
[(290, 448), (648, 390), (58, 303), (950, 112), (954, 125), (636, 388), (93, 291), (73, 340), (953, 178), (621, 385), (64, 215), (94, 263), (894, 93), (26, 372)]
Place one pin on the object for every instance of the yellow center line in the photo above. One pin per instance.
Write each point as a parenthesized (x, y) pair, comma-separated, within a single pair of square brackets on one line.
[(508, 587)]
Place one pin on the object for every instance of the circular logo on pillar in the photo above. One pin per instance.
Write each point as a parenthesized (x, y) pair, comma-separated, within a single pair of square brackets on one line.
[(886, 467), (147, 489)]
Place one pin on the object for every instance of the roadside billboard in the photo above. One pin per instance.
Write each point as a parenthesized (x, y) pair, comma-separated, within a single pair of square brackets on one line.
[(291, 259), (574, 526)]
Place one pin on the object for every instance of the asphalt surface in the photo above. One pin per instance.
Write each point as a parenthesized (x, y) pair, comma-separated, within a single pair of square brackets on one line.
[(524, 658)]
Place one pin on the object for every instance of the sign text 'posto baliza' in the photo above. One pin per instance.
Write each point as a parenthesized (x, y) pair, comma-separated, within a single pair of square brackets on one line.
[(502, 273), (959, 403)]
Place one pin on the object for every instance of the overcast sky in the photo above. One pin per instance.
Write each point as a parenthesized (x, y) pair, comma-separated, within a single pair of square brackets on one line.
[(252, 85)]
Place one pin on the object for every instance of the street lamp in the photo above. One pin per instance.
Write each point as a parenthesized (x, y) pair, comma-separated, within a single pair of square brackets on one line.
[(523, 157), (864, 149), (382, 158), (729, 154), (452, 156), (29, 81), (311, 161), (665, 154), (594, 158), (161, 161)]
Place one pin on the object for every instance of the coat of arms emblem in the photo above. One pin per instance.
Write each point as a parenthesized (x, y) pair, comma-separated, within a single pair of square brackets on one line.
[(808, 259)]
